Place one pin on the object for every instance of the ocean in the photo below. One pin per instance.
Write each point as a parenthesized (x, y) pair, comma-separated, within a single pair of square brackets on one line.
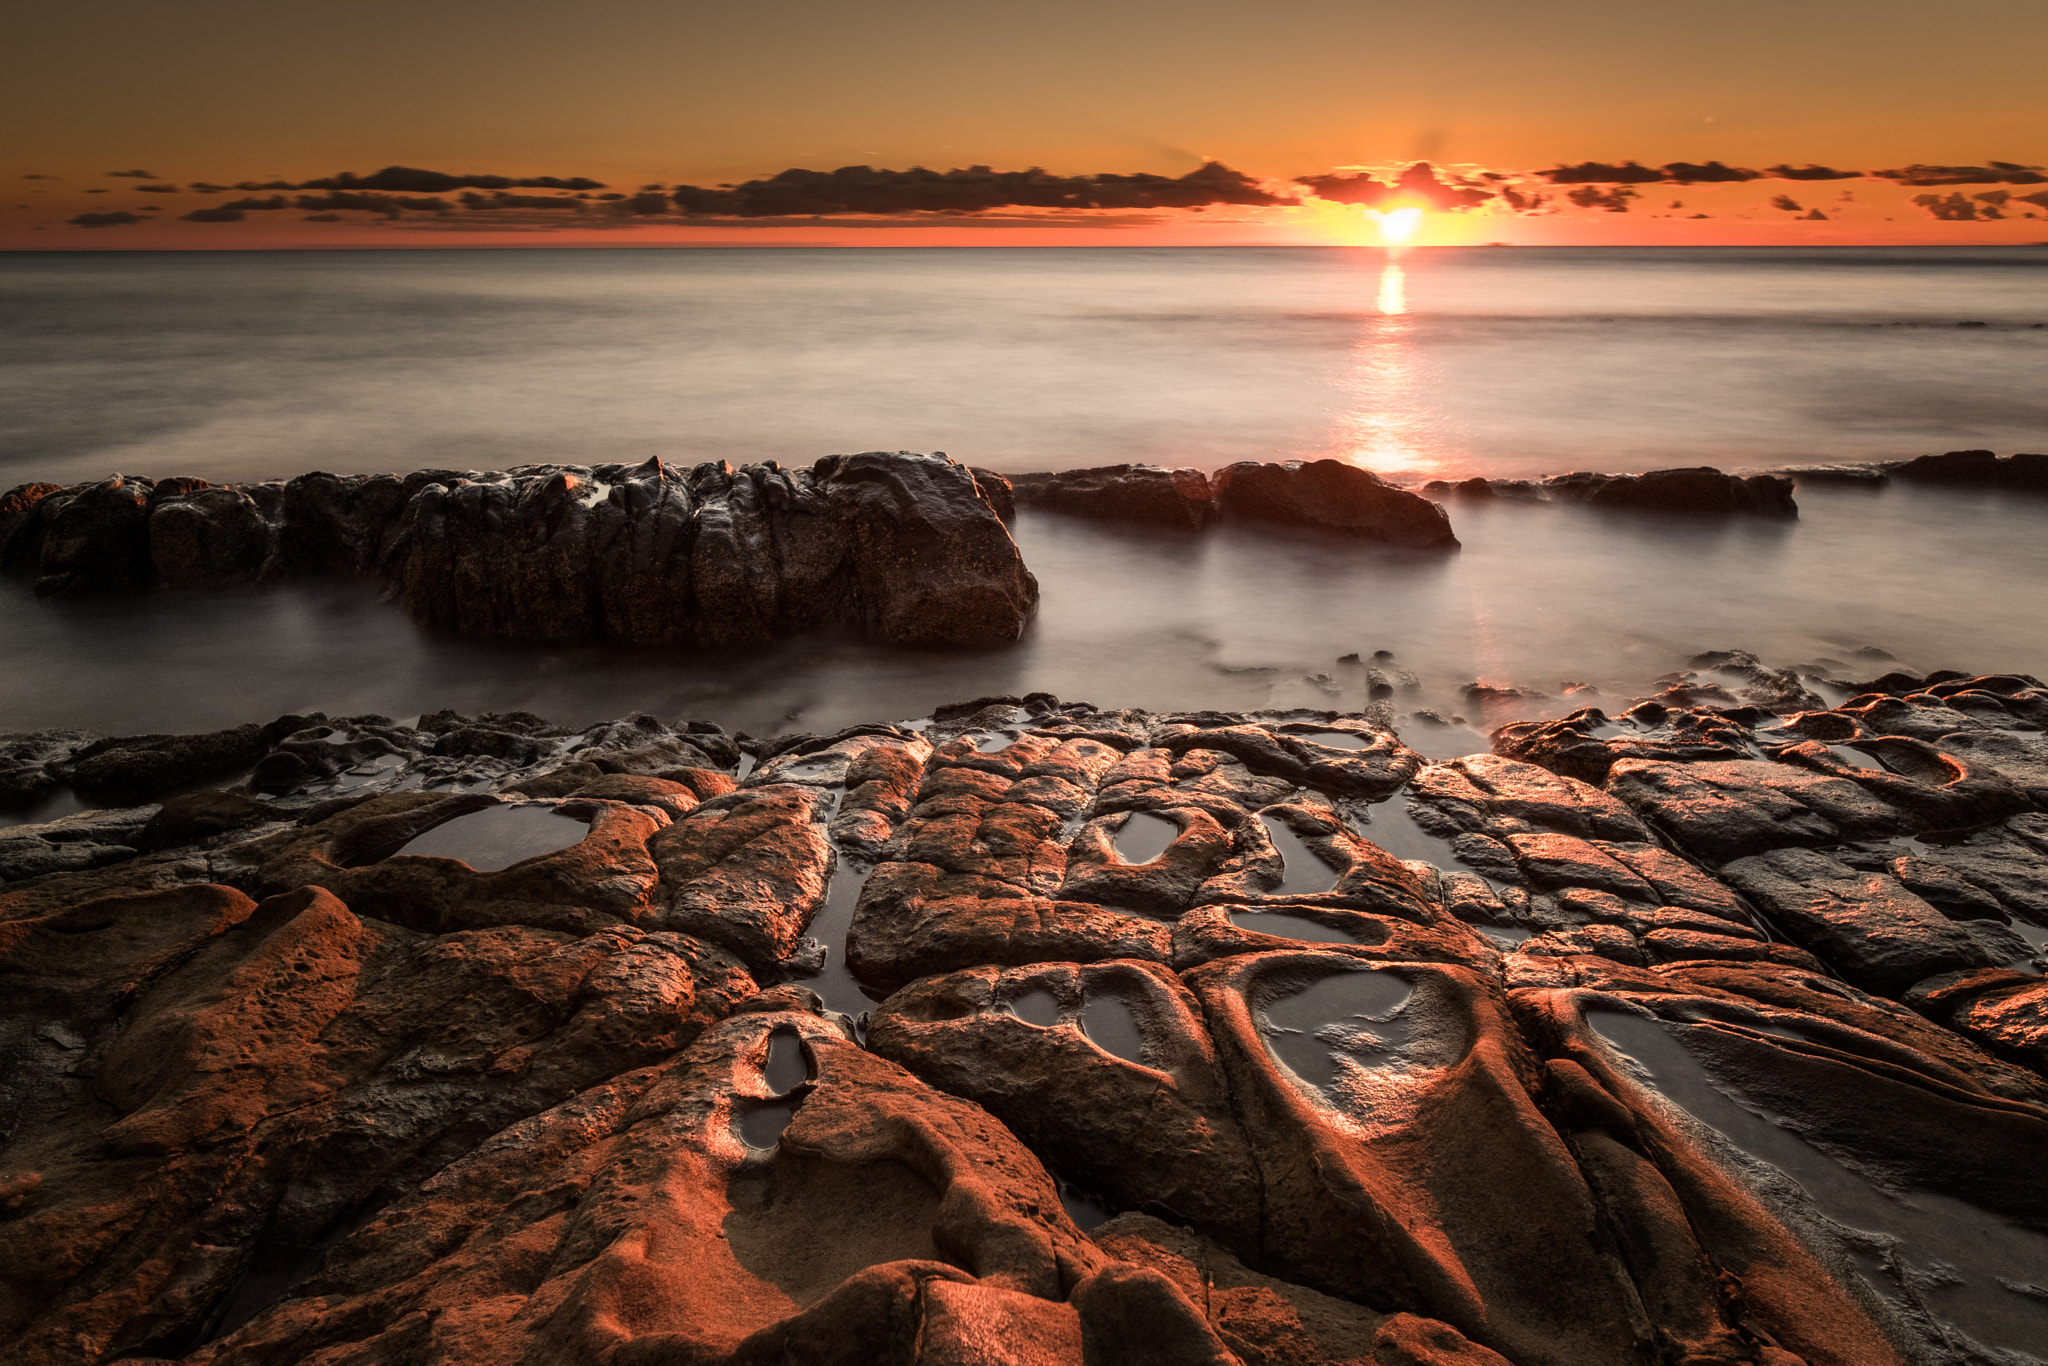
[(1437, 363)]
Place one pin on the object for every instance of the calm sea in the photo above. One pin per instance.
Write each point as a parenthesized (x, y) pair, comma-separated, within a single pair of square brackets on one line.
[(1503, 361)]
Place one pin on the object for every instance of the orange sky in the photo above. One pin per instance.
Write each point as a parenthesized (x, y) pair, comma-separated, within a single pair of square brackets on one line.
[(633, 92)]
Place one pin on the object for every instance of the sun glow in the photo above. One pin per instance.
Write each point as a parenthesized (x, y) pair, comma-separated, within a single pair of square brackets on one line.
[(1396, 225)]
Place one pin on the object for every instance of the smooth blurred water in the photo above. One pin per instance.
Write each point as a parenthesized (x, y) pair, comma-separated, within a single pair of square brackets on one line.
[(1504, 361), (1235, 618)]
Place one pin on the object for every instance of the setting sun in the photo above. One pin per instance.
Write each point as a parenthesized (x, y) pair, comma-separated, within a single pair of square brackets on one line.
[(1396, 225)]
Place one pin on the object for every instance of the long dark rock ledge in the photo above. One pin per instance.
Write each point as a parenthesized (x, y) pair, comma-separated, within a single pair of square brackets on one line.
[(906, 548), (481, 1041), (1325, 495)]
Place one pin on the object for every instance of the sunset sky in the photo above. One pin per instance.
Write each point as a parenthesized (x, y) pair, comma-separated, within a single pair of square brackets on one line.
[(612, 97)]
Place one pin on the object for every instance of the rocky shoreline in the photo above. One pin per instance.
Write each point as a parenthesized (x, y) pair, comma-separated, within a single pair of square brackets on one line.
[(1712, 1030)]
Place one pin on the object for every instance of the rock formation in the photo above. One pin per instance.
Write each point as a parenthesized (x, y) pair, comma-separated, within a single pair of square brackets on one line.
[(1701, 491), (1980, 469), (1702, 1034), (908, 549), (1325, 495)]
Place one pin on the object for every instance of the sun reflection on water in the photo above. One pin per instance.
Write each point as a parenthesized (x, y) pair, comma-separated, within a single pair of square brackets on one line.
[(1388, 428)]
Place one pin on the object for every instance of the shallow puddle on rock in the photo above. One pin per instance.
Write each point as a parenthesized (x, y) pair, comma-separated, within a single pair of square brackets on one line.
[(1509, 937), (499, 836), (1037, 1006), (993, 742), (1302, 870), (1392, 826), (746, 765), (762, 1123), (1111, 1026), (786, 1068), (1950, 1253), (1348, 1013), (1290, 927), (1855, 757), (835, 983), (1334, 739), (1144, 837), (1442, 742)]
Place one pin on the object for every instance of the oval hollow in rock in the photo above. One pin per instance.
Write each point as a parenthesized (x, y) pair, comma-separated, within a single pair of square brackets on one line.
[(1112, 1026), (1349, 1014), (499, 836), (1144, 837), (1302, 870), (1334, 739), (1855, 758), (1286, 926), (786, 1068), (761, 1125), (1037, 1007)]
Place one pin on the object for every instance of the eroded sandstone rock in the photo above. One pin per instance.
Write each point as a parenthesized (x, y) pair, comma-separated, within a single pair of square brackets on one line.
[(484, 1040)]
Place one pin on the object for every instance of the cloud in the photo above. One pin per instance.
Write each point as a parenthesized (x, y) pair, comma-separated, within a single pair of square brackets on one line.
[(1996, 173), (156, 189), (1709, 173), (501, 200), (39, 177), (1419, 181), (104, 220), (2039, 197), (1953, 208), (1787, 203), (207, 187), (133, 175), (1601, 173), (1811, 172), (217, 213), (865, 190), (388, 205), (276, 201), (1592, 197), (412, 180), (323, 218)]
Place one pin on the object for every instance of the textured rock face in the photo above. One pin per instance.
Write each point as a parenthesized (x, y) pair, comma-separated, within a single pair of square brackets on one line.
[(1675, 1057), (1124, 493), (1980, 469), (1701, 491), (1332, 496), (906, 548), (1329, 495)]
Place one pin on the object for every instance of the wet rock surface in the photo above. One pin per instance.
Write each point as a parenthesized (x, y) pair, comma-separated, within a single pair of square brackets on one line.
[(905, 548), (1714, 1032), (1324, 495)]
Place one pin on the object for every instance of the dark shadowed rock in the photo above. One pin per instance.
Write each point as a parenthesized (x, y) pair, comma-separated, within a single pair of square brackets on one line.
[(1124, 493), (98, 540), (21, 526), (206, 537), (1333, 496), (1702, 491)]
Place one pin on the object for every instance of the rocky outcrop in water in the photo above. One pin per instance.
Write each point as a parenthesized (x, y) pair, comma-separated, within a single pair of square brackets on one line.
[(1697, 492), (1326, 495), (1703, 1033), (907, 549), (1978, 469)]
